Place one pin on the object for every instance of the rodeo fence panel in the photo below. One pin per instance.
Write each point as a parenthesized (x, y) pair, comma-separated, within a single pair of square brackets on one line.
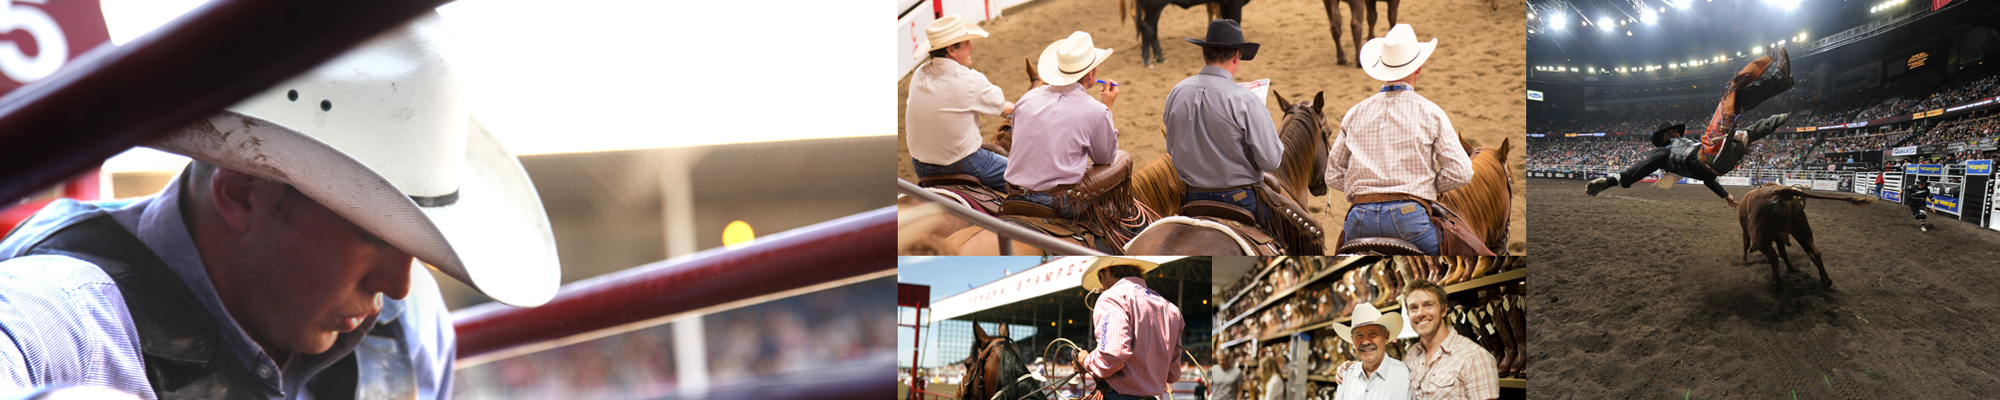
[(910, 35), (1993, 215)]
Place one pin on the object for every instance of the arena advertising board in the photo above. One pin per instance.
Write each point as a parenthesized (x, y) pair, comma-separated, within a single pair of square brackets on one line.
[(1535, 95), (1061, 274), (42, 36), (1980, 104), (1946, 204), (1979, 167), (910, 34), (1924, 169), (1825, 184), (1733, 181), (1892, 196)]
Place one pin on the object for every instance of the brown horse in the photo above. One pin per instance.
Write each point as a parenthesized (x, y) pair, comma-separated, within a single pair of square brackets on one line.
[(1486, 202), (1303, 131), (1354, 24), (995, 368)]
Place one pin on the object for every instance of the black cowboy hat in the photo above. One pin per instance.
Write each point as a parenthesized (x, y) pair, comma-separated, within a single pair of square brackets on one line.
[(1666, 134), (1225, 33)]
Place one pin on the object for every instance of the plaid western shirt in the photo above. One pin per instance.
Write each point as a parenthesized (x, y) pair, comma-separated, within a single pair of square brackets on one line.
[(1138, 339), (1462, 370), (1396, 141)]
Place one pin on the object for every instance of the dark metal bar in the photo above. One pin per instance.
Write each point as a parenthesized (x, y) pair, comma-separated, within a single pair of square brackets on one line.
[(116, 97), (829, 251), (1001, 228)]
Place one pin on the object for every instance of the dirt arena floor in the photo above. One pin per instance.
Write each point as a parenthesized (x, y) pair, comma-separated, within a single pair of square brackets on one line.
[(1638, 293), (1476, 74)]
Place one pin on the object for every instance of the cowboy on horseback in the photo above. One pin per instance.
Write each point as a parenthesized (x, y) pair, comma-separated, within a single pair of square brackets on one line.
[(1060, 131), (1397, 150), (1721, 146), (946, 98), (1218, 132)]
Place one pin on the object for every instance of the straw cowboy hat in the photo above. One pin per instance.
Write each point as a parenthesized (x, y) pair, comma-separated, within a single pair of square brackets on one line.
[(1366, 315), (1090, 274), (1067, 60), (1225, 33), (1397, 55), (948, 31), (381, 136)]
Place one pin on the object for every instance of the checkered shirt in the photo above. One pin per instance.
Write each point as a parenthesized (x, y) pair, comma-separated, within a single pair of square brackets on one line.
[(1396, 141), (1462, 370)]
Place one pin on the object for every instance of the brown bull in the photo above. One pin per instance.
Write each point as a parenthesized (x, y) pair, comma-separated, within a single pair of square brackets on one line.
[(1771, 212)]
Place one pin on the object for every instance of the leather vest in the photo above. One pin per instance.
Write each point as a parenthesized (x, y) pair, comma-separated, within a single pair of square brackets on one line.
[(185, 355)]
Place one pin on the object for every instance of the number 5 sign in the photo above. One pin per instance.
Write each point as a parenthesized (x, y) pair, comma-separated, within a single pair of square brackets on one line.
[(37, 37)]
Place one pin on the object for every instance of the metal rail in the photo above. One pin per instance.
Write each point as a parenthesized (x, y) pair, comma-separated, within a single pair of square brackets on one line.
[(861, 246), (116, 97), (1045, 242)]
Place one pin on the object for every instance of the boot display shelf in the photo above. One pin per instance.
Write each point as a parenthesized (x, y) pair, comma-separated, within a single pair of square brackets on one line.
[(1518, 274)]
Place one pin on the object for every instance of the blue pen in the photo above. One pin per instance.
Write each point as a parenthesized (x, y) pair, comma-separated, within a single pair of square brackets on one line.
[(1107, 83)]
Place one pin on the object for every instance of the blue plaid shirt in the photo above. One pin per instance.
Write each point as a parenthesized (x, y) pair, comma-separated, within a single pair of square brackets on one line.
[(63, 321)]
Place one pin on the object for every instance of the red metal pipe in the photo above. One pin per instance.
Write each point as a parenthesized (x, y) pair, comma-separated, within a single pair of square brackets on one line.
[(116, 97), (843, 248)]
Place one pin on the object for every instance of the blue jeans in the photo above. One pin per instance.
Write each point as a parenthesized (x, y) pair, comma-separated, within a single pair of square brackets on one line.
[(1248, 201), (1067, 208), (989, 167), (1390, 219)]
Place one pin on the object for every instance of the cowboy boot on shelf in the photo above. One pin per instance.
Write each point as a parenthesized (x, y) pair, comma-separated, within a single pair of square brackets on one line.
[(1519, 315), (1480, 267), (1504, 323), (1458, 271), (1377, 287), (1462, 322)]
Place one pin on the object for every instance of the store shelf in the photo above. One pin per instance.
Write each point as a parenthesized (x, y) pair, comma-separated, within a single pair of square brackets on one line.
[(1488, 280), (1516, 383), (1319, 378), (1281, 294), (1260, 275)]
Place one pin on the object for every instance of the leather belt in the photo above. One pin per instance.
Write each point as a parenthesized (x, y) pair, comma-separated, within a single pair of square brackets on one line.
[(1192, 189), (1017, 190), (1383, 197)]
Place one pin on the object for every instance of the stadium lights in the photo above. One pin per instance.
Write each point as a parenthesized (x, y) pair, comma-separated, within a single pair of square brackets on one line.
[(1648, 17), (1605, 24), (1628, 33), (1557, 21), (1788, 5), (1756, 50)]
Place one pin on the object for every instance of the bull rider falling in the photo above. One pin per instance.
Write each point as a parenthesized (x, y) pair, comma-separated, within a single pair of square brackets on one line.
[(1721, 146)]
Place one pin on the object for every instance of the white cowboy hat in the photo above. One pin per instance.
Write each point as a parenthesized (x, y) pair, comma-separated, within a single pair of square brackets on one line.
[(1395, 56), (380, 136), (1065, 61), (1090, 274), (1365, 315), (947, 31)]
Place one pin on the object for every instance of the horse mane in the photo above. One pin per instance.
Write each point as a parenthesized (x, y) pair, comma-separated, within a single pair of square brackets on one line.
[(1158, 186), (1012, 367), (1297, 165), (1486, 202)]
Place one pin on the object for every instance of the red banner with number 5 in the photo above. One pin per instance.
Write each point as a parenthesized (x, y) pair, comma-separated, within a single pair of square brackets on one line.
[(38, 37)]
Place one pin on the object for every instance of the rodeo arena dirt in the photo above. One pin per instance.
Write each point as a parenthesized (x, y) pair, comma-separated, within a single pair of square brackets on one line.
[(1652, 292), (1475, 75)]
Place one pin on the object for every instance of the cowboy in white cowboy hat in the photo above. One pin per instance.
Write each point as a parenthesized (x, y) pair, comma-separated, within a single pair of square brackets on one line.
[(1138, 333), (946, 98), (1396, 151), (1052, 120), (1377, 376), (1218, 132), (279, 263)]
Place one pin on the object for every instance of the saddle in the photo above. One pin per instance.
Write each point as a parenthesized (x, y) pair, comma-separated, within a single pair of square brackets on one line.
[(1107, 216), (1455, 238), (1295, 231), (966, 190)]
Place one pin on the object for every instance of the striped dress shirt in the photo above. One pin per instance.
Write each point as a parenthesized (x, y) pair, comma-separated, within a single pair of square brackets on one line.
[(1138, 339), (1396, 141)]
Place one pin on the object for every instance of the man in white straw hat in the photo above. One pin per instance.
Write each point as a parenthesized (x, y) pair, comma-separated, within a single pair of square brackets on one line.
[(1377, 376), (1059, 130), (1138, 333), (1396, 151), (1219, 132), (279, 263), (946, 98)]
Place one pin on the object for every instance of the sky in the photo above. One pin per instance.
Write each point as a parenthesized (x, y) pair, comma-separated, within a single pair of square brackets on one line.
[(586, 76), (948, 276)]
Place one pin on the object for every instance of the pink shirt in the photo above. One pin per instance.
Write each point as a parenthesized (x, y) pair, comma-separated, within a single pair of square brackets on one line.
[(1138, 339), (1058, 132)]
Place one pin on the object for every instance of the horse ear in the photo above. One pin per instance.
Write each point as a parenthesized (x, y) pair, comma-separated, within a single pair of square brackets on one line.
[(1319, 102), (1034, 79), (1001, 331), (1282, 104), (1506, 145), (978, 333)]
